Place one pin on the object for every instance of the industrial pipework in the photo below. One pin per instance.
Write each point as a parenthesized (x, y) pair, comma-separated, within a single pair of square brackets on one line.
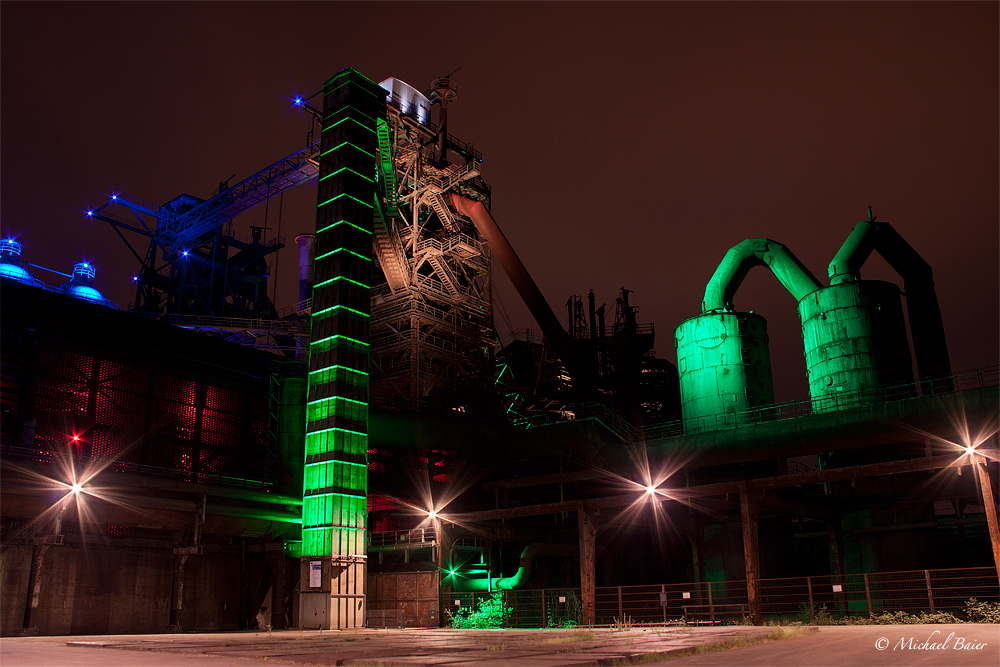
[(722, 356), (523, 573), (924, 313), (742, 257), (519, 276)]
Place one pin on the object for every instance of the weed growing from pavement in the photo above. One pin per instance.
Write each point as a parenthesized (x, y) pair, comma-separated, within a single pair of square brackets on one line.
[(623, 624)]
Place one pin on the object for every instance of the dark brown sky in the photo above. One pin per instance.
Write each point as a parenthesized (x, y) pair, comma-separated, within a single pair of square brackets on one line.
[(626, 144)]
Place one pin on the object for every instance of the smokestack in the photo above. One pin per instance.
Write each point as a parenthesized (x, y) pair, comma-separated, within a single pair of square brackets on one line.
[(569, 316), (593, 315), (306, 256), (445, 92)]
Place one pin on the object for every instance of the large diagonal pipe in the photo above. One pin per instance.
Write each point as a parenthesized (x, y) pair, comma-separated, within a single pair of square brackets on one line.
[(923, 311), (518, 274)]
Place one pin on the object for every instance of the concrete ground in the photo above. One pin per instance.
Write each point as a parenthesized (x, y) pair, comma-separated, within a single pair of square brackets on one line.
[(857, 646)]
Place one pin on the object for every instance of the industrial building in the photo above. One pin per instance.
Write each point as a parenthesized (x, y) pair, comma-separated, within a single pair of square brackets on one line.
[(207, 460)]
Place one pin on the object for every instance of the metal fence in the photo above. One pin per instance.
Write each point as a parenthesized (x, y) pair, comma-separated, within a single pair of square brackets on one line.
[(790, 598)]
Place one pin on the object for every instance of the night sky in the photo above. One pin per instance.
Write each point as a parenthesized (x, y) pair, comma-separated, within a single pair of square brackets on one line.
[(626, 144)]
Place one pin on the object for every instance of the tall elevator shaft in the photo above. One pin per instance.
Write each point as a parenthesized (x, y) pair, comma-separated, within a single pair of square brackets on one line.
[(334, 503)]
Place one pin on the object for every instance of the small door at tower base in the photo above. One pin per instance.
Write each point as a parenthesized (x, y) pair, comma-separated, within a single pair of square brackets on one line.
[(313, 610)]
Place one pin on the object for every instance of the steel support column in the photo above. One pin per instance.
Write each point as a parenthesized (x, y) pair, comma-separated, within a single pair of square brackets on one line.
[(588, 539), (750, 504), (979, 462)]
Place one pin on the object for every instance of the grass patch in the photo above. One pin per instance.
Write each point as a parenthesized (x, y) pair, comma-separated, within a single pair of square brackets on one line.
[(575, 636), (774, 634)]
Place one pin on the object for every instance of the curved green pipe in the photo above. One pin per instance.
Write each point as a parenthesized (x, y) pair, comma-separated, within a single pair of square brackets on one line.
[(728, 277), (923, 310), (523, 573)]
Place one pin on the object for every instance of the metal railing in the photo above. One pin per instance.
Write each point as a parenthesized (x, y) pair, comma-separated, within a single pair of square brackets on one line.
[(968, 380), (138, 467), (396, 538), (791, 598)]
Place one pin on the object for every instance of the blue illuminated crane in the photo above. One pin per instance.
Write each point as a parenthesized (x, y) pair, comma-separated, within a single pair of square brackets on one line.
[(206, 269)]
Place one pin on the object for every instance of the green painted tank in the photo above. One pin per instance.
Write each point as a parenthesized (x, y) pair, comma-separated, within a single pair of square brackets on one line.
[(725, 370), (855, 344)]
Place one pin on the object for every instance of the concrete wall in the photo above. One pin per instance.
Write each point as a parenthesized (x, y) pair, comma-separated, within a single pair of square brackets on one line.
[(103, 590), (15, 569), (89, 591)]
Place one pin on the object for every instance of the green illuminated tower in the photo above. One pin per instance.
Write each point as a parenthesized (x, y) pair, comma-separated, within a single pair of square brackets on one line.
[(336, 475)]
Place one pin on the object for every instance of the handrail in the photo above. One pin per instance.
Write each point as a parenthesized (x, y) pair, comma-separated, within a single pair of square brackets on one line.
[(974, 379)]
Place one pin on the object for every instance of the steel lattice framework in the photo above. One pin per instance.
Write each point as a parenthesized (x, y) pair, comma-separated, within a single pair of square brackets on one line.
[(432, 326), (432, 318)]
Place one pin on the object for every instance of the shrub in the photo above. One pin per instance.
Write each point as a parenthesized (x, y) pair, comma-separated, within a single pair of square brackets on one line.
[(490, 614), (982, 612)]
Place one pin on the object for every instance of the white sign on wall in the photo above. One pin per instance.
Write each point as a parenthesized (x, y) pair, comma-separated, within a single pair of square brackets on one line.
[(315, 574)]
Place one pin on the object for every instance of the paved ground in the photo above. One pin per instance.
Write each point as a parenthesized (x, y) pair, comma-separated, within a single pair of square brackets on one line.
[(966, 645), (875, 646)]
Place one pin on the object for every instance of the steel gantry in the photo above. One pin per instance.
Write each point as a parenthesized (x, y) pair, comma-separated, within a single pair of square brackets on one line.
[(432, 325), (195, 264)]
